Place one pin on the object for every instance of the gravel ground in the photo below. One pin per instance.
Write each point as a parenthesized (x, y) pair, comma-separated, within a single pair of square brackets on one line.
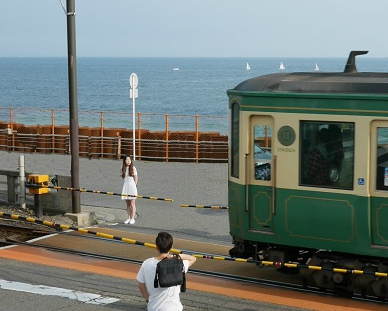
[(14, 210)]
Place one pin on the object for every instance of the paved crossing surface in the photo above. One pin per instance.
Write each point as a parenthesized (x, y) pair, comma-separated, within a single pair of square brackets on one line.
[(185, 183), (72, 276)]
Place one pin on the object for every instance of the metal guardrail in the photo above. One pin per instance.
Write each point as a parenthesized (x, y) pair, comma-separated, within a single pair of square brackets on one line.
[(115, 147), (101, 120)]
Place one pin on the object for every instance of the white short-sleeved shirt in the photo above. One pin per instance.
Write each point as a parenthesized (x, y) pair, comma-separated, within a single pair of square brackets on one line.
[(161, 299)]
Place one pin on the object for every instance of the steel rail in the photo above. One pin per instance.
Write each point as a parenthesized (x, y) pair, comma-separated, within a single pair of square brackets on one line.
[(342, 270), (263, 282)]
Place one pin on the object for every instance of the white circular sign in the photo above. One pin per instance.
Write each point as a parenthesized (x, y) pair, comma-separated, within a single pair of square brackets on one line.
[(133, 81)]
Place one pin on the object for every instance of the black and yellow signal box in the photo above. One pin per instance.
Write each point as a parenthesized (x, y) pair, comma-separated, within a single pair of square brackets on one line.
[(41, 180)]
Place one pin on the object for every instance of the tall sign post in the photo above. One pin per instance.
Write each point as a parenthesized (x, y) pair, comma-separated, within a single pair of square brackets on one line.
[(73, 104), (133, 82)]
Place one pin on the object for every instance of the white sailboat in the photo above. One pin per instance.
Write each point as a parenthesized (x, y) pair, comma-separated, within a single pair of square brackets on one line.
[(316, 67), (248, 67), (282, 67)]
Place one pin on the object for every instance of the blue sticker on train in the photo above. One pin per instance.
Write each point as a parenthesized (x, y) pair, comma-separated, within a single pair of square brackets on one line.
[(361, 181)]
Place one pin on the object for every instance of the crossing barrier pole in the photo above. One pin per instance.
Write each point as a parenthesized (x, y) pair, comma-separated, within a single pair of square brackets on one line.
[(205, 206), (45, 187)]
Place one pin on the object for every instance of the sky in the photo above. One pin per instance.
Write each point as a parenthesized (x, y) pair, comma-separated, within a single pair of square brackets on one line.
[(196, 28)]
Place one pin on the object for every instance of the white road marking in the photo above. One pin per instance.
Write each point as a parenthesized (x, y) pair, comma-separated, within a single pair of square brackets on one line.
[(56, 291), (42, 238), (34, 240), (9, 246)]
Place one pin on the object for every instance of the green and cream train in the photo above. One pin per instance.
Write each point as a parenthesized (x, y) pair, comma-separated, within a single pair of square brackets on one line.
[(308, 174)]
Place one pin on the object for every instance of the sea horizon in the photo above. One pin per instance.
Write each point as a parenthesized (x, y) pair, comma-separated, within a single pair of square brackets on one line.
[(216, 57), (167, 85)]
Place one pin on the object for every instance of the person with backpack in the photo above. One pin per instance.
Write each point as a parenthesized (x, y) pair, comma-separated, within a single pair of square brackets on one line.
[(152, 278)]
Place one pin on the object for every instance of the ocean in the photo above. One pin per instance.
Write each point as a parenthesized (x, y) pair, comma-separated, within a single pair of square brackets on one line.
[(197, 88)]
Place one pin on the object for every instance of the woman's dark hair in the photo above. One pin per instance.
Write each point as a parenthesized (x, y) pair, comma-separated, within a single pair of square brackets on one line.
[(123, 169), (164, 242)]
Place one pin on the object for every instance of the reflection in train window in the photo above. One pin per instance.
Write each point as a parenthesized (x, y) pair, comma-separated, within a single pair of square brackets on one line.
[(262, 152), (382, 159), (327, 154)]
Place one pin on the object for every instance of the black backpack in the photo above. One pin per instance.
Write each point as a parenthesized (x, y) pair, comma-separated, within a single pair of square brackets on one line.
[(170, 272)]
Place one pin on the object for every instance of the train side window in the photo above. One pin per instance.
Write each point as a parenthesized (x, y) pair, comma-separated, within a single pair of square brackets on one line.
[(382, 159), (262, 152), (327, 154), (235, 145)]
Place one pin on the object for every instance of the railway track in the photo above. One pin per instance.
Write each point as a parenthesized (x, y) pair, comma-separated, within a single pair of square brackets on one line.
[(10, 232), (20, 235)]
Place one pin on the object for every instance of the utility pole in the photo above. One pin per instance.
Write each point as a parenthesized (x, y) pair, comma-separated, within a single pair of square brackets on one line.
[(73, 104)]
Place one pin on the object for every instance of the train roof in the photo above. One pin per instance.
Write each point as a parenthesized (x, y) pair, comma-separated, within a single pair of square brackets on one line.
[(347, 82), (311, 82)]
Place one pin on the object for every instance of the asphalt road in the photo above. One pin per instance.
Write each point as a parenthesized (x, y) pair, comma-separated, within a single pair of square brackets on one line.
[(27, 286), (185, 183)]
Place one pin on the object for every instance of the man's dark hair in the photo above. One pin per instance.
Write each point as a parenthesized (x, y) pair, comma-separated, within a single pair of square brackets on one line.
[(164, 242)]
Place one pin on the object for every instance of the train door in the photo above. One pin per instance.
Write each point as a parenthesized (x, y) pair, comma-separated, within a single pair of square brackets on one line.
[(379, 183), (259, 174)]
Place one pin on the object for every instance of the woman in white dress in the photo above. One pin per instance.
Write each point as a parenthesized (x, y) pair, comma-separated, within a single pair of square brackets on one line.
[(129, 175)]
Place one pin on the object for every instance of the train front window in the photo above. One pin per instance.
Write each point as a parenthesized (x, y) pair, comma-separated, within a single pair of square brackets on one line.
[(262, 152), (327, 154), (382, 159)]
